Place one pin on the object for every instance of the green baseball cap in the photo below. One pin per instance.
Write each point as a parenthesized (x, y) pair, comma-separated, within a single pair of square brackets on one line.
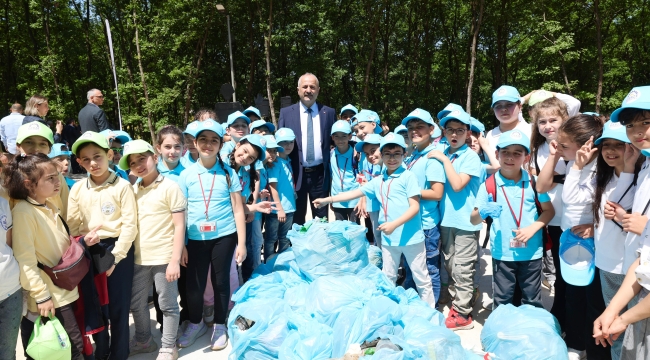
[(134, 147), (93, 137), (34, 128)]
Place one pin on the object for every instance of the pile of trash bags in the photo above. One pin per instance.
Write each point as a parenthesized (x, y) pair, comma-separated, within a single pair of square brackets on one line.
[(524, 332), (326, 298)]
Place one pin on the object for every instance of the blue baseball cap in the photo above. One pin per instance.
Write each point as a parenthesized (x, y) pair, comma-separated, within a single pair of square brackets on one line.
[(507, 93), (613, 130), (284, 134), (192, 128), (341, 126), (121, 136), (259, 141), (237, 115), (400, 128), (349, 107), (254, 110), (211, 125), (577, 259), (425, 116), (392, 138), (459, 115), (476, 125), (513, 137), (258, 123), (591, 113), (59, 149), (449, 108), (637, 98), (374, 139), (272, 144), (368, 116)]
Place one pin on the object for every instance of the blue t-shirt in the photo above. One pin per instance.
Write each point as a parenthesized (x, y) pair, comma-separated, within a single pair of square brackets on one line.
[(484, 164), (70, 182), (344, 176), (457, 206), (440, 144), (264, 181), (186, 160), (172, 174), (281, 174), (226, 149), (427, 170), (501, 230), (119, 172), (370, 171), (245, 181), (393, 192), (217, 196)]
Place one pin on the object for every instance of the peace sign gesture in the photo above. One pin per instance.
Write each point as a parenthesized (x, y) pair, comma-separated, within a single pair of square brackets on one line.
[(584, 154)]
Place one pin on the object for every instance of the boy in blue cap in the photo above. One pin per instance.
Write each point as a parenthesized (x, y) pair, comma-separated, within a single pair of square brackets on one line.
[(237, 128), (116, 140), (367, 122), (253, 113), (262, 128), (431, 180), (401, 225), (347, 112), (459, 237), (369, 148), (344, 171), (516, 233), (60, 154), (506, 104)]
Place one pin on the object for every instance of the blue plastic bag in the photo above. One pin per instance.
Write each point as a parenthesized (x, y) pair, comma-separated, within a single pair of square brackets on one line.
[(374, 256), (329, 294), (436, 341), (524, 332), (307, 340), (264, 338)]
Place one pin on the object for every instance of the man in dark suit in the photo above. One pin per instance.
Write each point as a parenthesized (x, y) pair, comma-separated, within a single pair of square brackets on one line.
[(92, 117), (312, 123)]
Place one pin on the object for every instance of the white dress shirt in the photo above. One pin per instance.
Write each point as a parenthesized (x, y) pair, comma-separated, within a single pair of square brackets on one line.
[(318, 151)]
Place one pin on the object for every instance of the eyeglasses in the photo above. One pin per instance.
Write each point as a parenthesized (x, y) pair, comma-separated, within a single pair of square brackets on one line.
[(392, 156), (117, 150), (452, 131), (64, 148)]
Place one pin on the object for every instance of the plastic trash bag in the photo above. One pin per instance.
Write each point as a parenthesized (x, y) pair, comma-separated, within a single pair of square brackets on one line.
[(307, 340), (49, 341), (524, 332), (269, 330), (374, 256), (436, 341), (327, 295), (337, 248), (373, 275)]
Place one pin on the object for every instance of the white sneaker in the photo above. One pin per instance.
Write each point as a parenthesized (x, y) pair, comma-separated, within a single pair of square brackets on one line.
[(577, 354)]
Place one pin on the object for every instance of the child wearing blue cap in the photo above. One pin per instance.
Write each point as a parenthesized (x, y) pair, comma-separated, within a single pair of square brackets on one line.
[(283, 193), (367, 122), (506, 104), (253, 113), (347, 112), (431, 180), (400, 222), (116, 140), (371, 168), (459, 237), (479, 144), (169, 144), (61, 157), (262, 128), (237, 128), (575, 143), (344, 169), (190, 153), (516, 232)]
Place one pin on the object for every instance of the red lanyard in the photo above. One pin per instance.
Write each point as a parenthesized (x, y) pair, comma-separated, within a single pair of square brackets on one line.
[(411, 162), (521, 208), (207, 202), (384, 205), (453, 158), (341, 173)]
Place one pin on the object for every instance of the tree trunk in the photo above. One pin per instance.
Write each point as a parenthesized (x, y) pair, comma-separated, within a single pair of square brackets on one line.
[(470, 83), (144, 82), (373, 46), (49, 51), (267, 51), (599, 45), (191, 77)]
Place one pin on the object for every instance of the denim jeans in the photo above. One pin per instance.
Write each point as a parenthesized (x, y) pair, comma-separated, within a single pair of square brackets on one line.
[(432, 244), (254, 242), (276, 231)]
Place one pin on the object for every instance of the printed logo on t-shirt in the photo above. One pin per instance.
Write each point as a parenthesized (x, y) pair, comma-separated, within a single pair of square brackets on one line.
[(3, 222), (108, 208), (632, 96)]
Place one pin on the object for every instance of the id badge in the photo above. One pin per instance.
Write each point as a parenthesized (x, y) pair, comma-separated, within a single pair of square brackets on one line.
[(514, 244), (208, 226)]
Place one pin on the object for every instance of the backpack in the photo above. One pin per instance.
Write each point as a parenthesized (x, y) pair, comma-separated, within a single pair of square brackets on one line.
[(491, 187)]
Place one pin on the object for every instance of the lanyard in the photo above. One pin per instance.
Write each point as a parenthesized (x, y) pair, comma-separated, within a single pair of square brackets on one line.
[(521, 208), (207, 202), (242, 182), (341, 173), (453, 158), (411, 163), (384, 205)]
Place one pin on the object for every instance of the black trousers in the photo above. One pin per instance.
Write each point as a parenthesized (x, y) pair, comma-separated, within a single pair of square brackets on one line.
[(510, 275), (312, 185), (584, 304), (202, 253), (345, 214), (559, 304), (65, 314)]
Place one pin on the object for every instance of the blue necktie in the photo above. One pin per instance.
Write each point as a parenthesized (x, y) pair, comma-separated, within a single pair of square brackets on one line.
[(310, 137)]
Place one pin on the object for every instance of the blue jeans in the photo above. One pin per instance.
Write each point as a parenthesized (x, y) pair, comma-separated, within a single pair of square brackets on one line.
[(432, 244), (276, 231), (11, 310), (254, 242)]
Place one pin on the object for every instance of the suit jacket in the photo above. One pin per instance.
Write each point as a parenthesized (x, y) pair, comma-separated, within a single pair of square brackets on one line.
[(92, 118), (290, 118)]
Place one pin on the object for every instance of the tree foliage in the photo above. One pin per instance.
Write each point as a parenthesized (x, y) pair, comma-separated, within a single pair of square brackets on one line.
[(387, 55)]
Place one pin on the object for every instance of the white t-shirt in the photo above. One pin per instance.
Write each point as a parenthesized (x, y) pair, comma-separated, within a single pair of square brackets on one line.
[(634, 242), (556, 192), (9, 269), (493, 135), (578, 195)]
